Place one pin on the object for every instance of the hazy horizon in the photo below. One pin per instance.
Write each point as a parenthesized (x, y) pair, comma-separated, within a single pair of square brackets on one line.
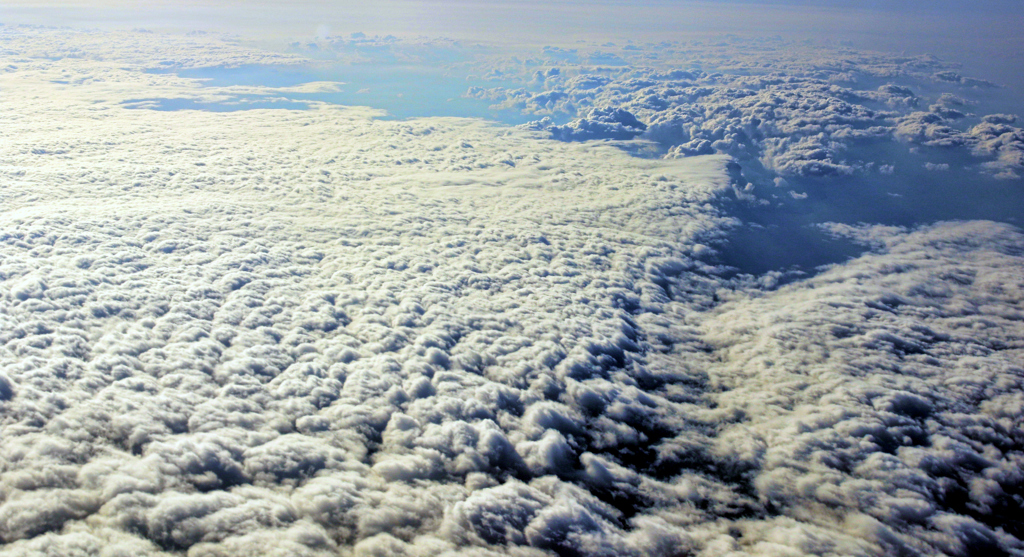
[(984, 34)]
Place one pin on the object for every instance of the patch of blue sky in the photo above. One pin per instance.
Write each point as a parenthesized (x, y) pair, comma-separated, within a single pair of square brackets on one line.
[(403, 90), (242, 103)]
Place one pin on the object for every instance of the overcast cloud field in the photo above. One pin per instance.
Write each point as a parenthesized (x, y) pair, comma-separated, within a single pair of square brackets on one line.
[(522, 279)]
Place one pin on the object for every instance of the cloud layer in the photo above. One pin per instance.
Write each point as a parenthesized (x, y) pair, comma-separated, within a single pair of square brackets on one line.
[(315, 332), (312, 330), (782, 109), (882, 398)]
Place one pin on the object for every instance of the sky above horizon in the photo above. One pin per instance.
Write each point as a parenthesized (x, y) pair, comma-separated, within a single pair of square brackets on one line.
[(985, 35)]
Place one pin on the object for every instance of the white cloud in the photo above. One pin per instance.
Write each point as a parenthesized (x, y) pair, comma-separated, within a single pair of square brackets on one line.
[(227, 346), (781, 109), (870, 384), (312, 332)]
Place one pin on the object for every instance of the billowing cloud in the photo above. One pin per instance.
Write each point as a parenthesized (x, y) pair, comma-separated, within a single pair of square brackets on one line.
[(612, 123), (779, 116), (884, 395), (316, 332)]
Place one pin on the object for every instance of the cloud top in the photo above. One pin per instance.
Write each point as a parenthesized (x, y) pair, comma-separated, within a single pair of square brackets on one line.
[(316, 332)]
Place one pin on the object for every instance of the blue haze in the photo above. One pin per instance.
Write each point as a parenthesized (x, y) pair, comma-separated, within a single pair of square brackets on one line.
[(404, 91)]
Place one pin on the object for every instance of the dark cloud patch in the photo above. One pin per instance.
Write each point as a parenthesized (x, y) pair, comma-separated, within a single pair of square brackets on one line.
[(610, 123)]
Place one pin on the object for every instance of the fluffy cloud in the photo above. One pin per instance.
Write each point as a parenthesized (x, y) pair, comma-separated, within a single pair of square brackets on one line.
[(778, 116), (611, 123), (316, 332), (310, 330), (884, 394)]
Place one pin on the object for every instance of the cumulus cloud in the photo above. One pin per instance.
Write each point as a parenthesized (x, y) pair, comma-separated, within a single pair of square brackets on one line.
[(792, 113), (873, 387), (325, 333), (610, 123), (316, 332)]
